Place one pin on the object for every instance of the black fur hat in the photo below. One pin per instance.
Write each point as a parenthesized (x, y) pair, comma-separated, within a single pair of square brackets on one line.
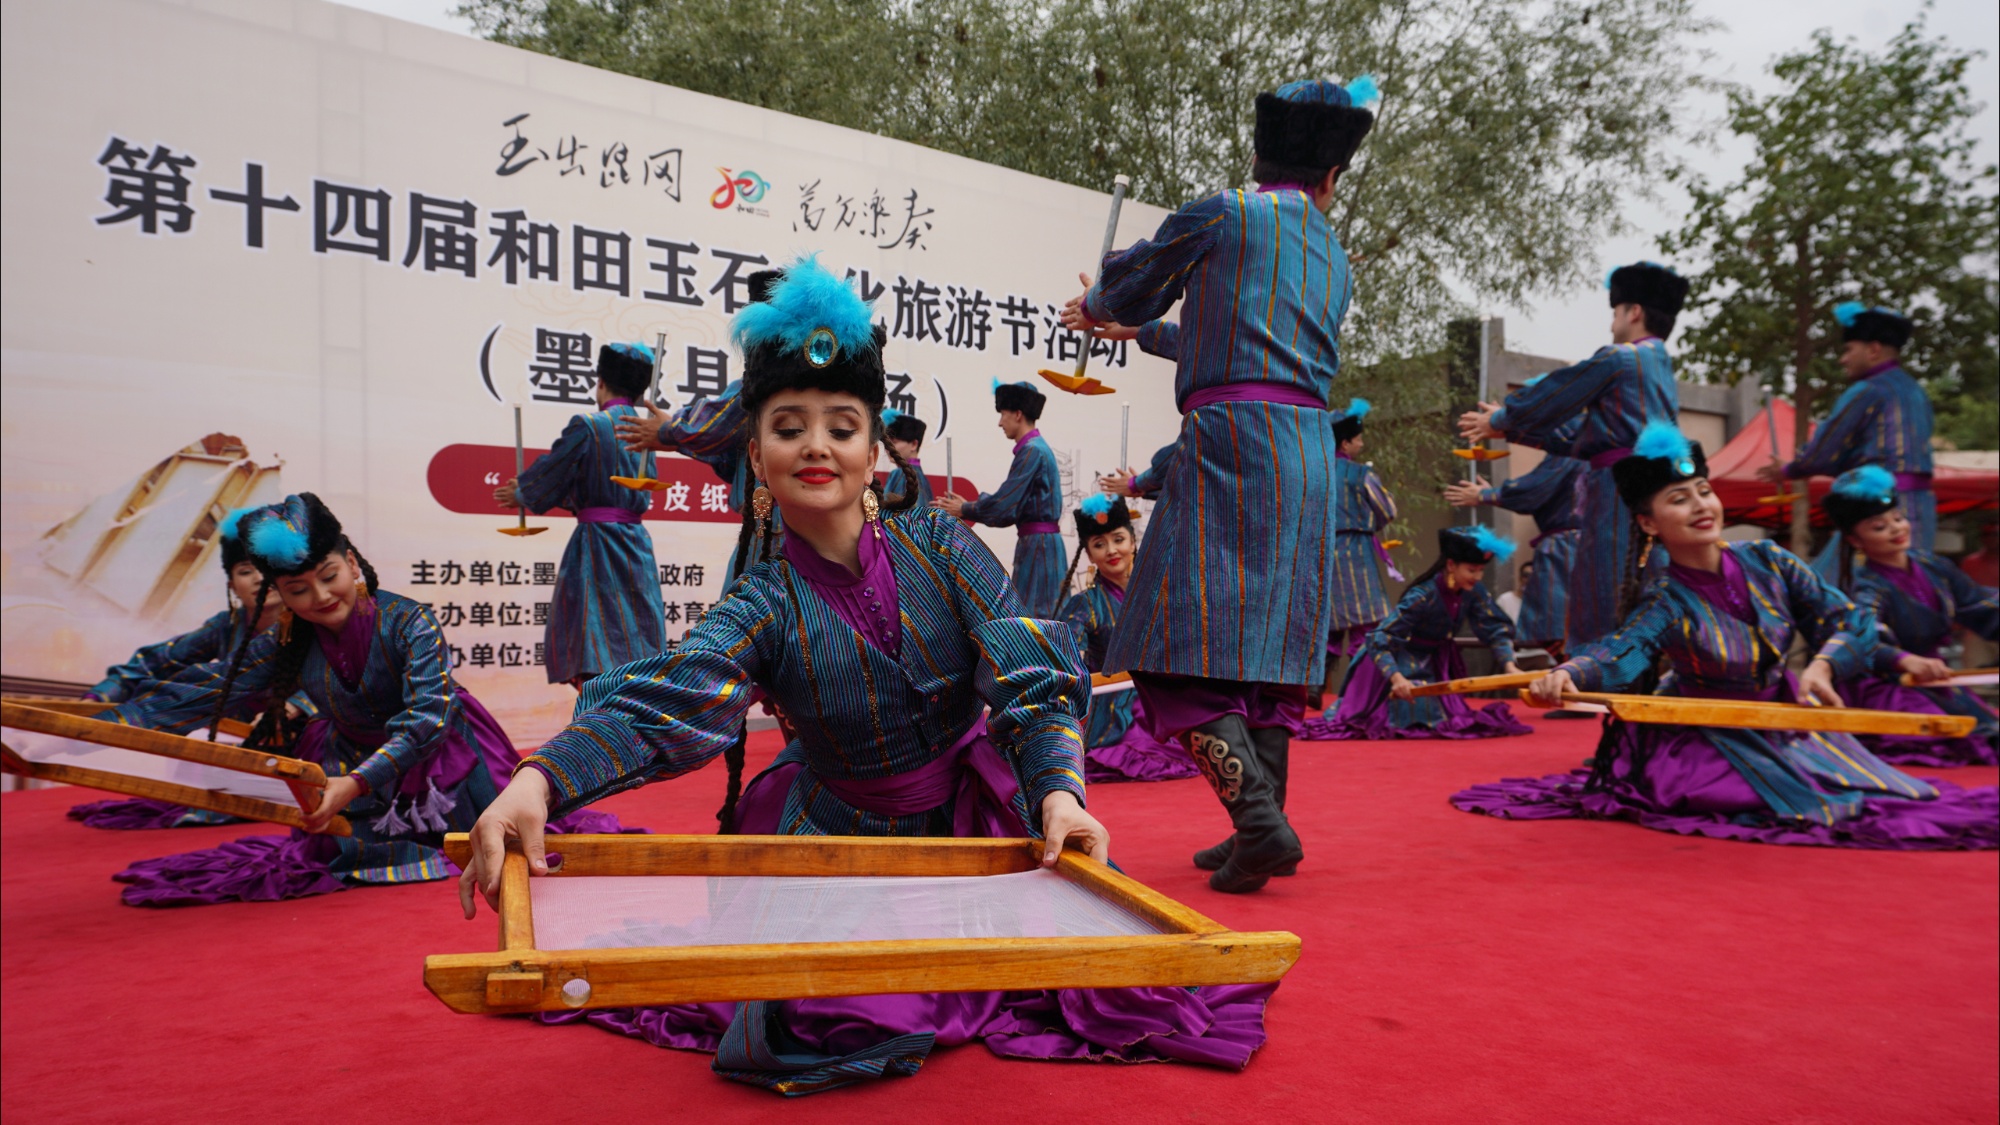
[(1662, 456), (1876, 326), (1313, 123), (1020, 396), (903, 427), (1348, 423), (1101, 515), (1859, 494), (626, 368), (286, 538), (1649, 285), (1475, 544), (806, 329)]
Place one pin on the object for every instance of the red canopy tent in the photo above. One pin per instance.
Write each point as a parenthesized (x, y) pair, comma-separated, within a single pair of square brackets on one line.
[(1733, 471)]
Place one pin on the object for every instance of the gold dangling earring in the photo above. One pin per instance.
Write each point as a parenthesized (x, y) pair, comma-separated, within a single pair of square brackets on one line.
[(285, 625), (760, 506), (871, 508)]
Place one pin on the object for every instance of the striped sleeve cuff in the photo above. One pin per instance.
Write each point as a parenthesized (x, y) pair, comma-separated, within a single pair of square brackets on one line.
[(1051, 761), (589, 758), (1846, 660)]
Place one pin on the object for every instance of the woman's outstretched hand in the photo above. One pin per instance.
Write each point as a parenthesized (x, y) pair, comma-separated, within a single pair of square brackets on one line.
[(339, 793), (520, 812), (1816, 685), (640, 433), (1065, 822), (1550, 689)]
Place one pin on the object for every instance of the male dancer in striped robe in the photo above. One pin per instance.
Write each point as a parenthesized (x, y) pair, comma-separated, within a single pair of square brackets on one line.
[(1617, 391), (1883, 418), (1227, 615), (1030, 501)]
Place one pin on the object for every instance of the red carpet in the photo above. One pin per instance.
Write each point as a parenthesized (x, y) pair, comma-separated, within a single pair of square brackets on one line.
[(1456, 968)]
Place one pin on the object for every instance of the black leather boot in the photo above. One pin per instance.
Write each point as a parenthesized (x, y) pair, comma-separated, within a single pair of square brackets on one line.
[(1274, 745), (1274, 752), (1264, 840)]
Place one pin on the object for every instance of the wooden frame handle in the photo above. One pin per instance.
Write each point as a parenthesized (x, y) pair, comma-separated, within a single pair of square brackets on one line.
[(1479, 683), (219, 754), (1751, 715), (1908, 680)]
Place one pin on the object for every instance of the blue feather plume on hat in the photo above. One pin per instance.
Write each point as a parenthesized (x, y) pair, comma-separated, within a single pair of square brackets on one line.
[(1357, 408), (231, 523), (804, 300), (1869, 482), (1500, 549), (1363, 90), (279, 537), (890, 414), (1095, 505), (1662, 440)]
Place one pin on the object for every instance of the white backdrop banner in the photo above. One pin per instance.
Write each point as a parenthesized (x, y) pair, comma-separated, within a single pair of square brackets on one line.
[(294, 246)]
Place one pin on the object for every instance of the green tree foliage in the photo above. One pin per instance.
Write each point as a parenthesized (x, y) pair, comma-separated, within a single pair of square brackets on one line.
[(1507, 138), (1862, 186)]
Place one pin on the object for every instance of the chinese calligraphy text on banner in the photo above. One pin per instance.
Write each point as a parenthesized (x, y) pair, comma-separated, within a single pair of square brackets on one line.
[(325, 250)]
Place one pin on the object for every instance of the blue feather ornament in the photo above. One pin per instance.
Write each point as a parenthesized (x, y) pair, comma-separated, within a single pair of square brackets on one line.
[(1363, 90), (274, 541), (1662, 440), (804, 302), (1846, 311), (1357, 408), (890, 414), (232, 522), (1869, 482), (1095, 506), (1486, 541)]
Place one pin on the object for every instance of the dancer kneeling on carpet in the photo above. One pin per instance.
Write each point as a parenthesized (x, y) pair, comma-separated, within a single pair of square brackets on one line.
[(925, 704), (1916, 597), (155, 663), (1417, 645), (409, 754), (1723, 616), (1117, 745)]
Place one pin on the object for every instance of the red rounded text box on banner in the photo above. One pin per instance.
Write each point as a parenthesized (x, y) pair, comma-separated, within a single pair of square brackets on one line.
[(462, 479)]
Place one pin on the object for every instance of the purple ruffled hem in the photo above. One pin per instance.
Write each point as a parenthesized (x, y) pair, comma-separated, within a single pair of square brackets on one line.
[(139, 813), (252, 869), (1365, 707), (1957, 820), (273, 868), (1138, 756), (1217, 1026)]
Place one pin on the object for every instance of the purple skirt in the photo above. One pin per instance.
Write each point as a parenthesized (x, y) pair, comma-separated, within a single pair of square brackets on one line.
[(1135, 755), (134, 813), (1687, 786), (1368, 712), (298, 865), (1877, 694), (804, 1046)]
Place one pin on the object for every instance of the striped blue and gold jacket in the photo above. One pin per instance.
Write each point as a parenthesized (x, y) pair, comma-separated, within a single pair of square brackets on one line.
[(966, 656), (1546, 492), (395, 718), (1423, 621), (1266, 284), (1911, 627), (1883, 419), (1712, 650), (1616, 392)]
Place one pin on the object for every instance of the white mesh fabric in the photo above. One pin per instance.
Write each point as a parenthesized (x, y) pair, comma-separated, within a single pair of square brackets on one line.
[(614, 911), (38, 747)]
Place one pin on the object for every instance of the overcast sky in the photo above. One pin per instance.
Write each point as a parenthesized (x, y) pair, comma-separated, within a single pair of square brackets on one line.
[(1572, 325)]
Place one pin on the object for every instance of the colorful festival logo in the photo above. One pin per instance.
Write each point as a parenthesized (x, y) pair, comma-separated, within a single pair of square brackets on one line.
[(748, 187)]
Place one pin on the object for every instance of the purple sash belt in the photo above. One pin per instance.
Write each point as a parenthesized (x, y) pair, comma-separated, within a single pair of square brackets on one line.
[(607, 515), (962, 775), (1609, 458), (1284, 393), (1037, 527)]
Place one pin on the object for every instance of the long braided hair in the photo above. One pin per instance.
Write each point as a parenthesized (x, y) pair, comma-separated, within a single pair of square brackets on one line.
[(271, 732)]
